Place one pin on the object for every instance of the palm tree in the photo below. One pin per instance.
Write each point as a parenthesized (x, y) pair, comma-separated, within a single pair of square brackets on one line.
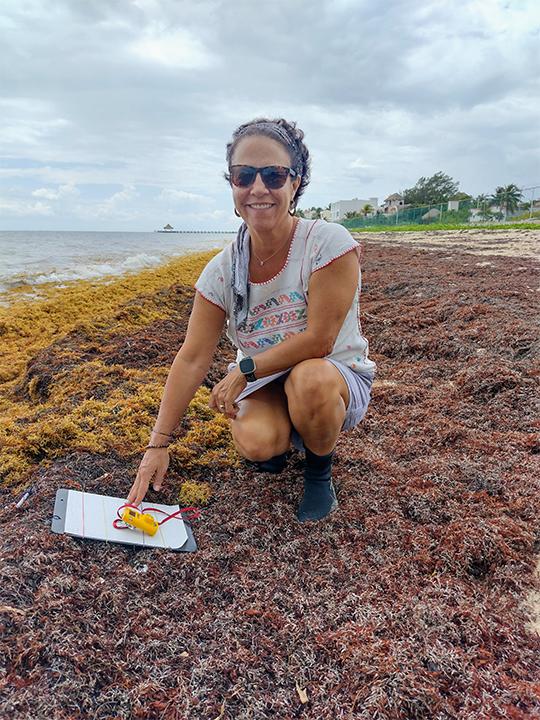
[(485, 213), (350, 215), (507, 198), (366, 209), (483, 202)]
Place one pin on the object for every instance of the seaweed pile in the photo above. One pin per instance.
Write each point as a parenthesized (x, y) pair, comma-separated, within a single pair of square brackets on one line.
[(97, 385), (408, 603)]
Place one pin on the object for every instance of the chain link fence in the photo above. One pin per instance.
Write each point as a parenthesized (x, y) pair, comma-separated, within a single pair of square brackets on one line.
[(437, 213), (463, 211)]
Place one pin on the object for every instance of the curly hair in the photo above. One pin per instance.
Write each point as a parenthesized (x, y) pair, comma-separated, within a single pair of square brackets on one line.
[(288, 135)]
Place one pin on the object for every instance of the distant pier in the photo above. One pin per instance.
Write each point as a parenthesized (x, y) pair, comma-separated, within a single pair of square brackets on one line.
[(196, 232)]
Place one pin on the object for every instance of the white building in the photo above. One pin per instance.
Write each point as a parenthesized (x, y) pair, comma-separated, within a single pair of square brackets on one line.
[(339, 209), (393, 203)]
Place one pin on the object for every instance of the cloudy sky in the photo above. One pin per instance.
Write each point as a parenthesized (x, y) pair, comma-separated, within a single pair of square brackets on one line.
[(114, 114)]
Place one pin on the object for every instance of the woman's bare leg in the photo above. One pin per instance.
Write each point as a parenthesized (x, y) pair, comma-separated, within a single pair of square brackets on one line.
[(262, 427), (317, 397)]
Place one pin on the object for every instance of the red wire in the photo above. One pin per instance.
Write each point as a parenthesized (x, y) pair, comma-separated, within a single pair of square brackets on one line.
[(191, 512)]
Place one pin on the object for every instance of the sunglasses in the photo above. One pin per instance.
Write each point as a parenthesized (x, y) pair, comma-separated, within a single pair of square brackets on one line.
[(273, 176)]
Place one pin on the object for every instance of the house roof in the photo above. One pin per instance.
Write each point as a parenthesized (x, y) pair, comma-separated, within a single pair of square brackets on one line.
[(394, 196)]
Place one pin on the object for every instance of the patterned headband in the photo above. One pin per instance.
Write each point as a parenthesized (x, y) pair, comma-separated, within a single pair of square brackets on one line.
[(277, 129)]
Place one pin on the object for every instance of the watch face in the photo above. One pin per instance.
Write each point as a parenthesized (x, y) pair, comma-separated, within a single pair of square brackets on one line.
[(247, 365)]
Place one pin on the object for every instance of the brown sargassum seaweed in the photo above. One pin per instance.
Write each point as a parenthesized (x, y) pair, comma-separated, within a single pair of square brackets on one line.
[(409, 602)]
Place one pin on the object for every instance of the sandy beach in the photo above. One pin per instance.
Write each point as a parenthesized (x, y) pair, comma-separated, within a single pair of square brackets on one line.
[(512, 242), (415, 599)]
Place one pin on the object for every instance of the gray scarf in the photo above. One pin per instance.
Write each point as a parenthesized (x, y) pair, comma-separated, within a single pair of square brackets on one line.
[(240, 276)]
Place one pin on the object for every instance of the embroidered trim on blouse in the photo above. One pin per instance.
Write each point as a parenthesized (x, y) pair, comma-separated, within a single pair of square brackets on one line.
[(267, 282), (211, 301), (336, 257)]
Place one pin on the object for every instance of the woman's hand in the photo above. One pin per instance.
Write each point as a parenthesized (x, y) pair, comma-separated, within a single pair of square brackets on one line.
[(225, 393), (153, 465)]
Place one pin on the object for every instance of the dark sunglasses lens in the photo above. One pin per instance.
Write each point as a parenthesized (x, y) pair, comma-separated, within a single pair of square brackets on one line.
[(274, 177), (242, 176)]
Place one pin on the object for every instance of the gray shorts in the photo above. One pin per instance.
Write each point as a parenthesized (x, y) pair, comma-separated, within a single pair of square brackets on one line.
[(359, 394)]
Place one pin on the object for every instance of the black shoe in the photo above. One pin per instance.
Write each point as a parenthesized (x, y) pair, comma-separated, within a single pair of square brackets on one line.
[(274, 465), (319, 500)]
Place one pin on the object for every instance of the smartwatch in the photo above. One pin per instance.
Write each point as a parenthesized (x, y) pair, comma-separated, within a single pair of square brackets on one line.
[(247, 368)]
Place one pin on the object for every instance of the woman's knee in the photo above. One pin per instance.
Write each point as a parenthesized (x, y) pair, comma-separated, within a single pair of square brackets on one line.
[(259, 444), (314, 381)]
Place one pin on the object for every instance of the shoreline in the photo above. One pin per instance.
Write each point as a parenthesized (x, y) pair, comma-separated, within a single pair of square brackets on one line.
[(56, 258), (43, 291), (513, 242)]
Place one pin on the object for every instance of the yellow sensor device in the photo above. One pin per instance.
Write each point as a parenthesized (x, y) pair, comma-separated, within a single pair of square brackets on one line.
[(141, 521)]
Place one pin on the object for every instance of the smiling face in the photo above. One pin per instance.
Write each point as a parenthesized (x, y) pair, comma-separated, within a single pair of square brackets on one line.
[(262, 209)]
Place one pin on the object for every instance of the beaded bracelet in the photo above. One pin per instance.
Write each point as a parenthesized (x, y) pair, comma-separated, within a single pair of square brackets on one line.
[(148, 447)]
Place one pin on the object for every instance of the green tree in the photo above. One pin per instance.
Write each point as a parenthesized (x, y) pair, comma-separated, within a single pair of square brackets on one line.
[(507, 197), (299, 213), (366, 209), (485, 213), (350, 215), (430, 191), (482, 201)]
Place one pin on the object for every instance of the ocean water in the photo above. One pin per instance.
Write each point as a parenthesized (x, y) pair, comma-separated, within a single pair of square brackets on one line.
[(37, 257)]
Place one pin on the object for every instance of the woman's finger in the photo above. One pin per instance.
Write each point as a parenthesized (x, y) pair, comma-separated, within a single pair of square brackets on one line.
[(231, 408), (134, 488), (217, 401), (141, 491), (218, 388), (158, 477), (139, 487)]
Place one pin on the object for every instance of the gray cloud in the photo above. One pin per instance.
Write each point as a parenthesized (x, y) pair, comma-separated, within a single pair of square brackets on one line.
[(139, 98)]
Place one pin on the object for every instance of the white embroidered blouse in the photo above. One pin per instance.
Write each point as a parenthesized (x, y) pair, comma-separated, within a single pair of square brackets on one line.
[(278, 307)]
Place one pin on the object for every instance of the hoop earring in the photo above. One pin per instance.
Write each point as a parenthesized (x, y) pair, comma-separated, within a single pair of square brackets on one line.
[(292, 208), (237, 213)]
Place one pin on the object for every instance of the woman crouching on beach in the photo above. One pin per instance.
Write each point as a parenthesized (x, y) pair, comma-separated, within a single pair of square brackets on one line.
[(287, 290)]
